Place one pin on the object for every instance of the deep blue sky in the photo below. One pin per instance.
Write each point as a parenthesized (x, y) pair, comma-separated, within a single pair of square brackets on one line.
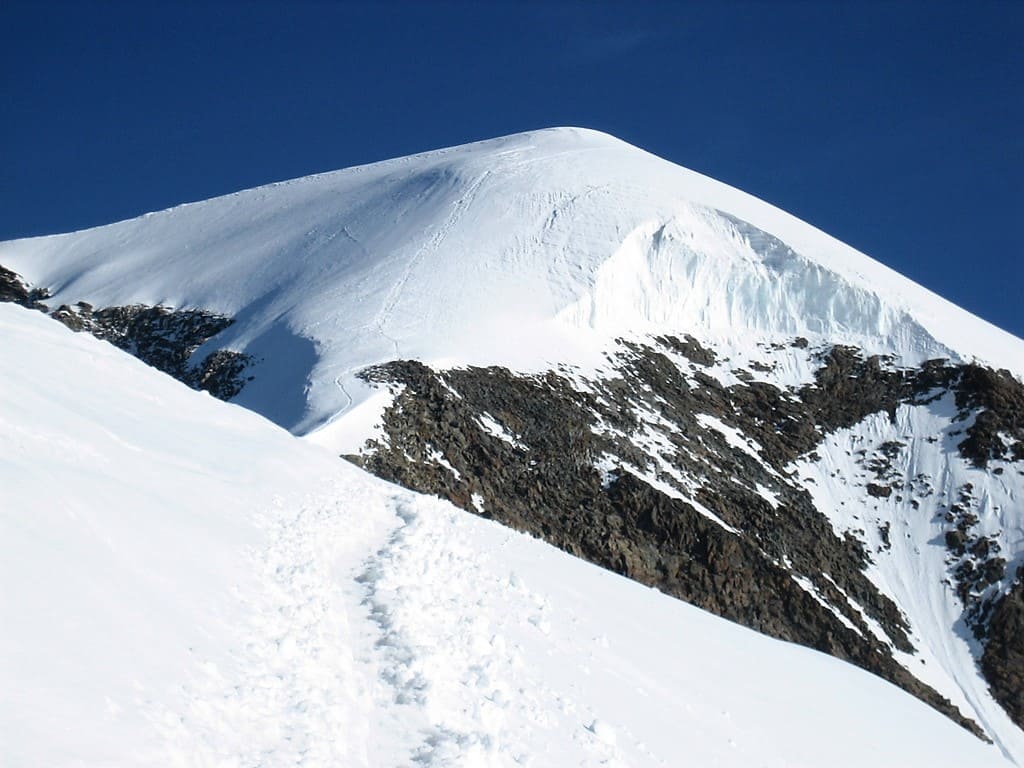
[(898, 128)]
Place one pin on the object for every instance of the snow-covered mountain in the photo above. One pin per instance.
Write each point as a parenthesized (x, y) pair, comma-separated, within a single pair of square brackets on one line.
[(640, 365), (186, 584), (528, 251)]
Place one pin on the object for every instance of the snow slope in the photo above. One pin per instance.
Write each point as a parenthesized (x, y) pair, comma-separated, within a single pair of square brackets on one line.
[(908, 563), (523, 250), (187, 584)]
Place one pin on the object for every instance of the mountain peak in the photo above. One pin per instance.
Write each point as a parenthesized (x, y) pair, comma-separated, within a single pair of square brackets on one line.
[(522, 250)]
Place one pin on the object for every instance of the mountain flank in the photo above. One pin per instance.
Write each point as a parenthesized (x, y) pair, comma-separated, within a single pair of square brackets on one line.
[(641, 365)]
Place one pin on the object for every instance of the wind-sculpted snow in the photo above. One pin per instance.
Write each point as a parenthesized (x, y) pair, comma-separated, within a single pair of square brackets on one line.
[(706, 272), (186, 584), (525, 251)]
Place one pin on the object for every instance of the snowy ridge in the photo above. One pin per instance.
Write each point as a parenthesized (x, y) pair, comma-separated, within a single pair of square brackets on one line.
[(525, 250), (197, 587)]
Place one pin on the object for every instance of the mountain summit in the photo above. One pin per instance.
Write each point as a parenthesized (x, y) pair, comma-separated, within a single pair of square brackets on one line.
[(527, 250), (640, 365)]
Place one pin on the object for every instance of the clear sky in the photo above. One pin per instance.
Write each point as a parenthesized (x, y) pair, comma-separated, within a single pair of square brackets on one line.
[(898, 128)]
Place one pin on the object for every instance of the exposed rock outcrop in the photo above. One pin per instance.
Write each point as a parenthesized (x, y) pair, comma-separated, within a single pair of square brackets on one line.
[(665, 474), (638, 473), (162, 337), (1003, 659), (14, 289)]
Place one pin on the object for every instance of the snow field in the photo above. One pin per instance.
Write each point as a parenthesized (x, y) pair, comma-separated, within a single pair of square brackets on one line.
[(186, 584)]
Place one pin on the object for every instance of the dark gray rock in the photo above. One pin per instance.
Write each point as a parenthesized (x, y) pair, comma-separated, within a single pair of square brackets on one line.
[(1003, 658), (14, 289), (162, 337), (543, 480)]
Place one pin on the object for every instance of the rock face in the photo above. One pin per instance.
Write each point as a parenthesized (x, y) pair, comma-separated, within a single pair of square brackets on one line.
[(162, 337), (14, 289), (998, 430), (1003, 659), (664, 474)]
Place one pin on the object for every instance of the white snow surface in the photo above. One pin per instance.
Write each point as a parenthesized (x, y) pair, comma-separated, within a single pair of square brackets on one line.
[(186, 584), (524, 251), (929, 475)]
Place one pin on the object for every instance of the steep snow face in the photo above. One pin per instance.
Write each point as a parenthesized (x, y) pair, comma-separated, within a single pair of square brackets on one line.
[(905, 532), (186, 584), (524, 251)]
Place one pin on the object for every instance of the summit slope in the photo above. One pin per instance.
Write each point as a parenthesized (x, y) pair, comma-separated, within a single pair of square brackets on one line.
[(527, 250)]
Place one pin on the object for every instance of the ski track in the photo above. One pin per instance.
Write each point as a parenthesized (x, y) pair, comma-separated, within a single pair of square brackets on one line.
[(455, 653), (335, 667), (459, 207), (380, 322), (299, 696)]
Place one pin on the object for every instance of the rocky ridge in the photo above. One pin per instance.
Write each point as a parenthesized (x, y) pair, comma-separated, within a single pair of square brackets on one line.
[(661, 472), (162, 337)]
